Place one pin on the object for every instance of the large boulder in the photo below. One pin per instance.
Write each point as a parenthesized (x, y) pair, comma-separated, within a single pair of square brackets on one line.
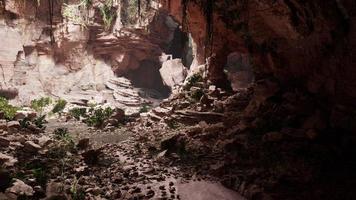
[(173, 72)]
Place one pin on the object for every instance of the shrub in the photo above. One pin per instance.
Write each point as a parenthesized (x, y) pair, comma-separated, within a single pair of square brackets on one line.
[(60, 105), (98, 116), (144, 108), (78, 112), (197, 94), (193, 80), (62, 134), (39, 104), (8, 109), (40, 121), (107, 14)]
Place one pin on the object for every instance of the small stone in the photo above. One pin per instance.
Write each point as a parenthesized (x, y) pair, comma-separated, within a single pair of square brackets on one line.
[(20, 188), (150, 194), (4, 142), (91, 157), (13, 125), (212, 88), (7, 160), (83, 143), (19, 116), (31, 147), (161, 154), (44, 141), (95, 191)]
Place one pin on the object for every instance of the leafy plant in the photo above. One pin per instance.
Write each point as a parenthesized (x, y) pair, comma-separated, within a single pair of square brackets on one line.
[(144, 108), (60, 105), (197, 94), (78, 112), (77, 13), (40, 175), (8, 109), (193, 80), (107, 14), (62, 134), (24, 123), (40, 121), (98, 116), (39, 104), (76, 192)]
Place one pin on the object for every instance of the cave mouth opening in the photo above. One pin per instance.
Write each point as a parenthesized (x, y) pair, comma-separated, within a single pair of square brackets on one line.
[(147, 77)]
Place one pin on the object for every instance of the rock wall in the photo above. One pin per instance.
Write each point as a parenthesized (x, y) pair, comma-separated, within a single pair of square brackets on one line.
[(305, 44), (69, 50)]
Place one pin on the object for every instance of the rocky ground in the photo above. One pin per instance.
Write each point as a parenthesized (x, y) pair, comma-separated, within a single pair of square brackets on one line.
[(67, 159), (264, 142)]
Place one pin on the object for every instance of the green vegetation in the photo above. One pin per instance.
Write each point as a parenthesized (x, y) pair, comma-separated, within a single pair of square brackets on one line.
[(40, 121), (60, 105), (77, 193), (144, 108), (197, 94), (97, 117), (39, 104), (65, 144), (78, 112), (107, 13), (193, 80), (77, 13), (40, 175), (8, 109), (62, 134)]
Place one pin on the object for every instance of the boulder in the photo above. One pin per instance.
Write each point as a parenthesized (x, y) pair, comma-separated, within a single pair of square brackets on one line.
[(119, 115), (54, 190), (83, 143), (20, 188), (5, 180), (20, 116), (44, 141), (4, 142), (31, 147), (13, 125), (7, 160), (173, 72)]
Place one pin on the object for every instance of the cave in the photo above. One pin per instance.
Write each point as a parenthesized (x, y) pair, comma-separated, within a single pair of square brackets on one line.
[(147, 76), (183, 99)]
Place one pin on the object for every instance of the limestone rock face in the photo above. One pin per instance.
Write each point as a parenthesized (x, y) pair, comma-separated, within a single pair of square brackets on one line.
[(173, 72), (74, 58)]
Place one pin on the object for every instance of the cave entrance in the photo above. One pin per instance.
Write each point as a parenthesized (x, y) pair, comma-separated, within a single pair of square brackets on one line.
[(181, 44), (147, 77)]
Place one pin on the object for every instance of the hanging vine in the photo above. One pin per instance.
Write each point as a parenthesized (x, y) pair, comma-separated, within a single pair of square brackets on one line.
[(50, 12), (139, 9)]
